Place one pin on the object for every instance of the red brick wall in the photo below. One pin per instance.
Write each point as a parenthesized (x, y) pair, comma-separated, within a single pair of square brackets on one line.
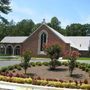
[(32, 42)]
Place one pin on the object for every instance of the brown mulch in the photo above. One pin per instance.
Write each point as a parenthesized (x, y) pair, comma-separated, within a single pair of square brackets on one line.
[(60, 73)]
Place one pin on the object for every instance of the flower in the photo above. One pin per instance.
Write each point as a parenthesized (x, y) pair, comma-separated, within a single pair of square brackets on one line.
[(71, 54)]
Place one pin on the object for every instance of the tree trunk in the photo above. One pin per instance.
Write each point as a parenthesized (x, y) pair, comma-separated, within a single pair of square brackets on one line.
[(53, 66), (25, 71)]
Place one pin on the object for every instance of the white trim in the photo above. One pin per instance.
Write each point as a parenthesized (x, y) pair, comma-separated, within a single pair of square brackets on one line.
[(39, 41), (16, 46)]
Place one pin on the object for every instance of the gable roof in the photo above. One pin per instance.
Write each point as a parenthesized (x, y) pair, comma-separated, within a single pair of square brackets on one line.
[(14, 39), (63, 38)]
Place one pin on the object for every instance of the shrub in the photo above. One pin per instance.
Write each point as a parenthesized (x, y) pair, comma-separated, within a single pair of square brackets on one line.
[(16, 66), (54, 53), (82, 67), (57, 63), (85, 81), (10, 67), (38, 63), (19, 68), (28, 80), (4, 69), (85, 86), (87, 69), (45, 63), (21, 64), (72, 57), (33, 64), (27, 57), (9, 74), (41, 82), (78, 64), (13, 71), (18, 80), (65, 63)]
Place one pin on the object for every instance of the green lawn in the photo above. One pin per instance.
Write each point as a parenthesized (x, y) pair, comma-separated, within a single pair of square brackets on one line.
[(9, 57), (84, 58)]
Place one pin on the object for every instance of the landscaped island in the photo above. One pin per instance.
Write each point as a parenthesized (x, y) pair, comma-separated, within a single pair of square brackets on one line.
[(40, 74)]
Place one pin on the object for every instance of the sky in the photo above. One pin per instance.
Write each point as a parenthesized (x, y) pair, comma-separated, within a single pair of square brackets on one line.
[(67, 11)]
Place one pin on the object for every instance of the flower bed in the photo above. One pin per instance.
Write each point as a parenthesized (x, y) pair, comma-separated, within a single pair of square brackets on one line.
[(59, 84), (21, 78)]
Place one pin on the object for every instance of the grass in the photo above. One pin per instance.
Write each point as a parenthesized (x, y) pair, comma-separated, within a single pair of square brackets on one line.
[(84, 58), (10, 57)]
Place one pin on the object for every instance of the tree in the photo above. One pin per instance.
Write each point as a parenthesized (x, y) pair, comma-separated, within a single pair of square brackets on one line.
[(24, 27), (55, 23), (4, 8), (72, 57), (54, 53), (25, 62), (76, 29)]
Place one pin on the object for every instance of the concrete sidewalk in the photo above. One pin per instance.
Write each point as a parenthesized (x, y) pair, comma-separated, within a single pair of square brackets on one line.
[(15, 86)]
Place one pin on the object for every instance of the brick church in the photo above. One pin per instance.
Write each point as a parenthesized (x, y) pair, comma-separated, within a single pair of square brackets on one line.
[(16, 45)]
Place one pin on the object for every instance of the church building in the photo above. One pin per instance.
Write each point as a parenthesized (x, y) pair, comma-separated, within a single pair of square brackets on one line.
[(16, 45)]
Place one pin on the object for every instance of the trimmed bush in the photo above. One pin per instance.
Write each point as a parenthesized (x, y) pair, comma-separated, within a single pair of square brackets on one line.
[(4, 69), (45, 63), (28, 80), (65, 63), (10, 67), (85, 86), (38, 63), (33, 64)]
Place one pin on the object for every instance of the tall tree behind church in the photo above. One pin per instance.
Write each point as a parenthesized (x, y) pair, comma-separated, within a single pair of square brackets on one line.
[(5, 9)]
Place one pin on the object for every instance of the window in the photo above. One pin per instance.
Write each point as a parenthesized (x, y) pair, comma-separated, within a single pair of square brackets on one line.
[(43, 40), (17, 50), (9, 50)]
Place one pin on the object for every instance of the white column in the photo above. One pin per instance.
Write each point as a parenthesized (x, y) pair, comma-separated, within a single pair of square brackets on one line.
[(13, 51), (5, 50)]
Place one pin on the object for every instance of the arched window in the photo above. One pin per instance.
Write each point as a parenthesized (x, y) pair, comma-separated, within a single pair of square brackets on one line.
[(43, 40), (17, 50), (9, 50)]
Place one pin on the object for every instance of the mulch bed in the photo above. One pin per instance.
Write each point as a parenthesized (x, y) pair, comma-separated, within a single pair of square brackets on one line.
[(60, 73)]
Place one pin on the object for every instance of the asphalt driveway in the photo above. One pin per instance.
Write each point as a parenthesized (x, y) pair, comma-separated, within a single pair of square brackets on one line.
[(12, 62)]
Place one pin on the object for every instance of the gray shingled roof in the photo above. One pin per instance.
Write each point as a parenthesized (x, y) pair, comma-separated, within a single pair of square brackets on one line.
[(14, 39), (81, 42)]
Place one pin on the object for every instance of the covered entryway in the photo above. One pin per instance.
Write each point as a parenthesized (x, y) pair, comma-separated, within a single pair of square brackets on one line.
[(17, 50), (9, 50)]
